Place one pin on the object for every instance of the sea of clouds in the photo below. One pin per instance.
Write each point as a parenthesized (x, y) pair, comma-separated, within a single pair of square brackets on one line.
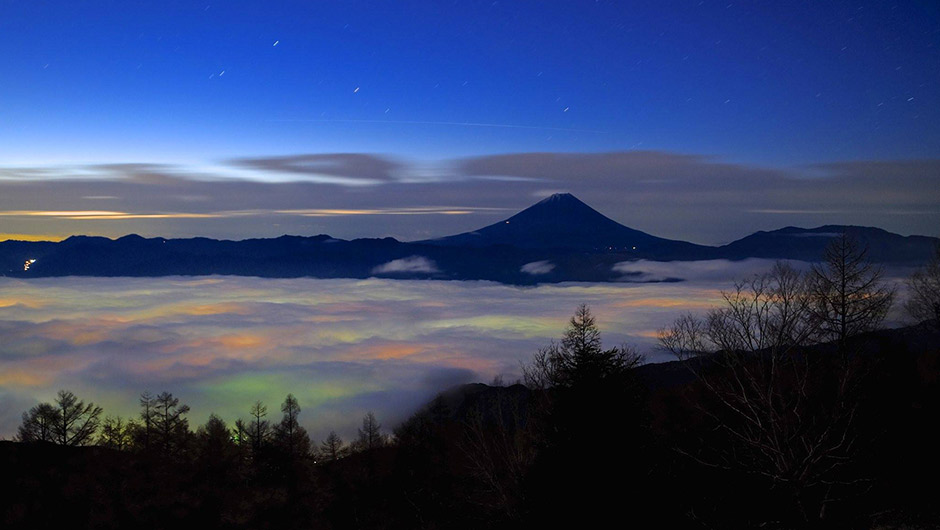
[(343, 347)]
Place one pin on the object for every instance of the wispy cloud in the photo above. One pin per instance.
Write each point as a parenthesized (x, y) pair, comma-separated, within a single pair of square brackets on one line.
[(91, 215), (683, 196), (418, 264), (697, 271), (344, 169), (431, 210), (538, 267)]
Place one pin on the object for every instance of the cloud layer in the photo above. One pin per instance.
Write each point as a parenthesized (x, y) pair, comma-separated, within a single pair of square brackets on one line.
[(693, 197), (342, 347), (538, 267), (410, 264)]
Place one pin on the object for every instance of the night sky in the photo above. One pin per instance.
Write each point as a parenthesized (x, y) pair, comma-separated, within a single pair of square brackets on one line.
[(696, 120)]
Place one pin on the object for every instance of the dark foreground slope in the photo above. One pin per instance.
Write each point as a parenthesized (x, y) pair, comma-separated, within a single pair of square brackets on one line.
[(508, 457)]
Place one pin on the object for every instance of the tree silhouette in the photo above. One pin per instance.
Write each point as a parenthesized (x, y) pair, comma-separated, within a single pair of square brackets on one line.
[(771, 311), (848, 294), (772, 408), (577, 386), (240, 433), (38, 424), (74, 423), (259, 430), (116, 433), (579, 359), (332, 448), (924, 286), (144, 435), (370, 434), (214, 434), (215, 444), (289, 435), (170, 425)]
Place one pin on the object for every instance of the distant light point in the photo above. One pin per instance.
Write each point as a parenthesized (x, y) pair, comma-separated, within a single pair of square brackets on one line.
[(356, 90), (275, 43)]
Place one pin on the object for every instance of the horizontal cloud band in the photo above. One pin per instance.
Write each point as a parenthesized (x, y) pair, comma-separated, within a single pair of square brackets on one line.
[(681, 196)]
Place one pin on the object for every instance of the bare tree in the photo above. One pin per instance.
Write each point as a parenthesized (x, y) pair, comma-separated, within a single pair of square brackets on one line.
[(332, 448), (849, 296), (768, 312), (116, 433), (144, 434), (74, 422), (500, 451), (924, 286), (259, 430), (370, 434), (38, 424), (783, 412), (170, 425)]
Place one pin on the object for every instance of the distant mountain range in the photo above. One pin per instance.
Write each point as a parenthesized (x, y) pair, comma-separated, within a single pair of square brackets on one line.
[(558, 239)]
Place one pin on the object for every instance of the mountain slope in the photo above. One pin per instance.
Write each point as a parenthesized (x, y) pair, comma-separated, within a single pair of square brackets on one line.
[(808, 244), (558, 239), (564, 222)]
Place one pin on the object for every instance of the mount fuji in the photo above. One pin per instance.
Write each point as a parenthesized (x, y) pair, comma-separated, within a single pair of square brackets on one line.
[(558, 239)]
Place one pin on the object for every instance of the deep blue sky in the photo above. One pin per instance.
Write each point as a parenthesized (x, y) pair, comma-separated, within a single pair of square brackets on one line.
[(769, 85)]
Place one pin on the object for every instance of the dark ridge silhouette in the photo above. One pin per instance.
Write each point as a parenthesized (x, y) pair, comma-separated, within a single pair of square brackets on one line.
[(558, 239), (562, 221), (807, 244)]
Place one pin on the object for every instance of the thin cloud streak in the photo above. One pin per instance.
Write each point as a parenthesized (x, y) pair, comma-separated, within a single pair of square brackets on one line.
[(662, 193), (444, 210)]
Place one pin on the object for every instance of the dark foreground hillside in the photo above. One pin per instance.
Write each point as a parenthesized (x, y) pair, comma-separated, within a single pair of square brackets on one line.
[(634, 451)]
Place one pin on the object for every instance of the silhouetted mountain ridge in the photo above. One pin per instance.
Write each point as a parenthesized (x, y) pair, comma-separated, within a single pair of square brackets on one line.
[(557, 239), (807, 244), (562, 221)]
